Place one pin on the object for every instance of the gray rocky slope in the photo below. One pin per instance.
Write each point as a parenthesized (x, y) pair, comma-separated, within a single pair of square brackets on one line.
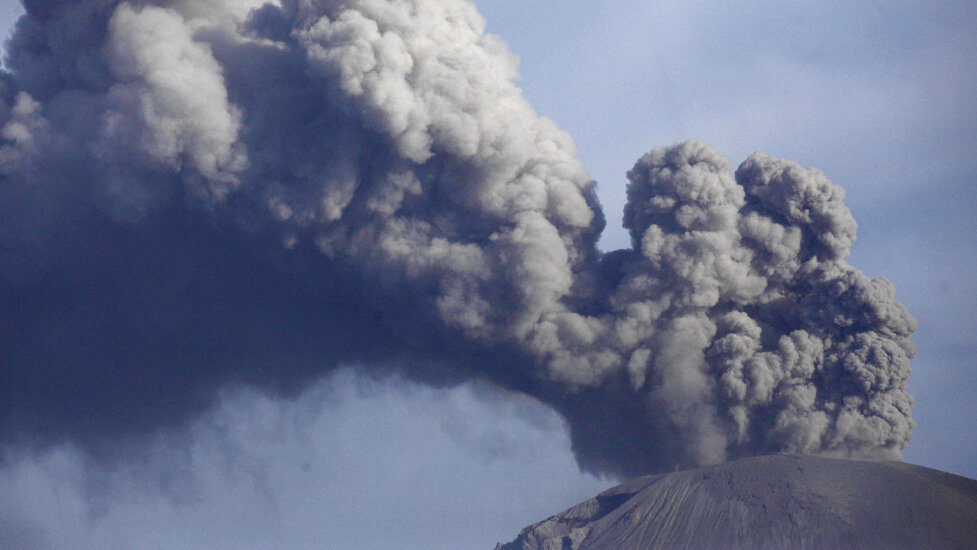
[(779, 501)]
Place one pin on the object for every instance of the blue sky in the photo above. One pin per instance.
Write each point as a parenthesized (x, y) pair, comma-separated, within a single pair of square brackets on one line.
[(879, 96)]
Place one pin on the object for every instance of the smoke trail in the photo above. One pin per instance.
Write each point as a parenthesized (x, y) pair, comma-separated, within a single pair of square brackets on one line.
[(197, 193)]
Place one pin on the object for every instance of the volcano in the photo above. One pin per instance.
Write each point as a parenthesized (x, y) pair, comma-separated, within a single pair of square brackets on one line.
[(779, 501)]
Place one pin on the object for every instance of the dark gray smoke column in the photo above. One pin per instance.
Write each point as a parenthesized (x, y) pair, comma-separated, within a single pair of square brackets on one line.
[(199, 193)]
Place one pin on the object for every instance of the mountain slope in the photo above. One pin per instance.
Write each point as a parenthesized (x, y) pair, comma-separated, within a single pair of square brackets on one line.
[(779, 501)]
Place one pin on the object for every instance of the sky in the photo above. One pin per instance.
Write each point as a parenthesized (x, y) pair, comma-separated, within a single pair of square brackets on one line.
[(878, 96)]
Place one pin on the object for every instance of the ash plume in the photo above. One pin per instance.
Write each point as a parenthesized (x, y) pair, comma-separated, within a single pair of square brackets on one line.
[(195, 194)]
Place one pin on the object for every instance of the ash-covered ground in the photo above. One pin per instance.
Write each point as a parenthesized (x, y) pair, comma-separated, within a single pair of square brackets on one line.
[(777, 501)]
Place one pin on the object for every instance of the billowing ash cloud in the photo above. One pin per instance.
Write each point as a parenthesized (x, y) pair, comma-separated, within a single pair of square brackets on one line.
[(199, 193)]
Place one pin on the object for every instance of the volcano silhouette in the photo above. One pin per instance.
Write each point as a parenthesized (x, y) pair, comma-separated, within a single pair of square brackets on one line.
[(779, 501)]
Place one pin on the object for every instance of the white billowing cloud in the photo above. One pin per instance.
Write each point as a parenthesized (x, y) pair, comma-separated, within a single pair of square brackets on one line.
[(23, 125), (170, 99)]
